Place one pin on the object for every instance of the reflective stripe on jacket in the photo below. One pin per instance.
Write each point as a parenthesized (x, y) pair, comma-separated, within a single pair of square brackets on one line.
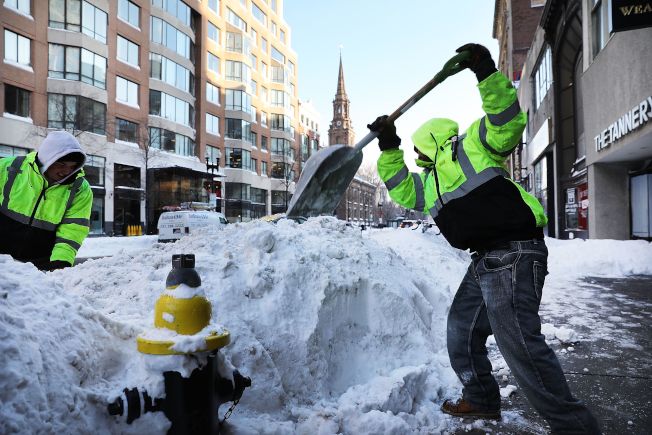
[(461, 165), (63, 209)]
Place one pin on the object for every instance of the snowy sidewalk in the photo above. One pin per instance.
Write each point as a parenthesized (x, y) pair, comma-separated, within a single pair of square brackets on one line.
[(607, 360)]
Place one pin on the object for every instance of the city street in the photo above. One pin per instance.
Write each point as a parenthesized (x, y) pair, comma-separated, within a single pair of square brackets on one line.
[(611, 370)]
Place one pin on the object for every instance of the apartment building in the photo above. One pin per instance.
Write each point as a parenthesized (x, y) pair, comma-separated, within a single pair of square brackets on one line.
[(173, 101)]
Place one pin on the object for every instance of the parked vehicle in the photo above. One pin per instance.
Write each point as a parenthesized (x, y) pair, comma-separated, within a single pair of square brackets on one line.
[(172, 225)]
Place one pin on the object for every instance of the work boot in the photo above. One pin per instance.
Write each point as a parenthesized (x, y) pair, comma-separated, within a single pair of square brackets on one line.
[(462, 408)]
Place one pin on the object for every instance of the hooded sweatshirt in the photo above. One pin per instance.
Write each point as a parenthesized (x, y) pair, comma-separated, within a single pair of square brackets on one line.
[(42, 222)]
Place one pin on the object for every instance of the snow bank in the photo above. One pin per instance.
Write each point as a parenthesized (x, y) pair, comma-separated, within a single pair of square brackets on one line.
[(340, 331)]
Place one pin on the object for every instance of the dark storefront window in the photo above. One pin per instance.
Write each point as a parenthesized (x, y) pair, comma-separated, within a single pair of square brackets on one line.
[(126, 176)]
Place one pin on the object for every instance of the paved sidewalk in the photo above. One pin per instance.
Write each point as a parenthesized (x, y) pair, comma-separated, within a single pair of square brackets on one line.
[(611, 373)]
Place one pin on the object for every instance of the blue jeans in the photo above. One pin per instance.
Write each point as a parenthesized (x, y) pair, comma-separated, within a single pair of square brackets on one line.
[(500, 294)]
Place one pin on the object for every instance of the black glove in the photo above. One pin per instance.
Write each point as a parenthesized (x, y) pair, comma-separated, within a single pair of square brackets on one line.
[(56, 264), (387, 138), (480, 61)]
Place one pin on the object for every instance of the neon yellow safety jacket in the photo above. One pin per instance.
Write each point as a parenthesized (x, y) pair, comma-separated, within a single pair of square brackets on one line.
[(41, 221), (466, 187)]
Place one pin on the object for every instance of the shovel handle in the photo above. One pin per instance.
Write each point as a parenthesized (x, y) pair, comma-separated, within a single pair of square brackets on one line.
[(453, 66)]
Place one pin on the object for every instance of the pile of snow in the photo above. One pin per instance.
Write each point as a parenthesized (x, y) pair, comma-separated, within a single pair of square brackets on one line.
[(340, 331)]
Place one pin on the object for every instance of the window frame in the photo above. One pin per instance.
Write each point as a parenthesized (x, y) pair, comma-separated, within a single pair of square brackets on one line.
[(18, 50), (21, 98)]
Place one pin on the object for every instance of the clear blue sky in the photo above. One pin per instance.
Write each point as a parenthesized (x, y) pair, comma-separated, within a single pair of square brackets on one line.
[(389, 50)]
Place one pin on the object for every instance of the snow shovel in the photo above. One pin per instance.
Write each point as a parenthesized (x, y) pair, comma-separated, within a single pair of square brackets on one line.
[(329, 171)]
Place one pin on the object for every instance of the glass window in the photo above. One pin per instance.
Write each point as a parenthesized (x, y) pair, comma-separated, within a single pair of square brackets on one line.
[(213, 63), (169, 107), (65, 14), (237, 42), (263, 118), (93, 69), (238, 129), (237, 71), (172, 142), (164, 33), (279, 74), (277, 55), (72, 112), (263, 69), (214, 5), (235, 19), (600, 25), (263, 143), (129, 12), (21, 6), (94, 170), (542, 77), (213, 154), (213, 33), (282, 36), (281, 147), (263, 45), (263, 168), (17, 101), (126, 91), (280, 122), (212, 93), (126, 131), (254, 87), (291, 67), (9, 151), (94, 22), (258, 13), (274, 28), (73, 63), (238, 100), (280, 99), (239, 159), (212, 124), (254, 37), (127, 51), (162, 68), (18, 49)]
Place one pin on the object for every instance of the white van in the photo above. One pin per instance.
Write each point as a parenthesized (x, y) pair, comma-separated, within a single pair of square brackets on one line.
[(172, 225)]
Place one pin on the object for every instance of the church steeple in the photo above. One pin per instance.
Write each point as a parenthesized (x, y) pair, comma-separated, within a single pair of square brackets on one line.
[(340, 130), (340, 80)]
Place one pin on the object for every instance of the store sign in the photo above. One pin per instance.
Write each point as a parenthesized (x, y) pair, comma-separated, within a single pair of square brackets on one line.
[(630, 14), (630, 121)]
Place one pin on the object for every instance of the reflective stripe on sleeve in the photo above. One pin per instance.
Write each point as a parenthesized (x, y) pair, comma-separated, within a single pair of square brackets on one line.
[(397, 179), (79, 221), (71, 243), (502, 118), (420, 202), (483, 139)]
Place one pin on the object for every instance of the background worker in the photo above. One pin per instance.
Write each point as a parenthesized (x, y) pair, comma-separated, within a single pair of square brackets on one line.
[(45, 203), (475, 204)]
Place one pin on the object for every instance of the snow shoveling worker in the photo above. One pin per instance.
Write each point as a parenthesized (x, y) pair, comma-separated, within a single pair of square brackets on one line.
[(467, 190), (45, 203)]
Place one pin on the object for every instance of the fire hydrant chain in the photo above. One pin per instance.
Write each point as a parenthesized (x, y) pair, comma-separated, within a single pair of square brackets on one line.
[(230, 410)]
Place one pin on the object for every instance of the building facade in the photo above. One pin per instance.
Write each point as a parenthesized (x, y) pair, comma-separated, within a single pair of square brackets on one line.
[(173, 101), (359, 204), (588, 147)]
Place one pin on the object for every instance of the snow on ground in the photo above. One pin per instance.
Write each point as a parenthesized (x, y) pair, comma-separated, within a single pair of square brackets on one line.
[(340, 331)]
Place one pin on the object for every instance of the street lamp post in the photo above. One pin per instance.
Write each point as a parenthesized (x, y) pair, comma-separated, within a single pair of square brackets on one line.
[(213, 169)]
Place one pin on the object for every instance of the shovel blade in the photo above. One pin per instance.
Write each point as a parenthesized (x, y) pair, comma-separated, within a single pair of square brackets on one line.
[(324, 180)]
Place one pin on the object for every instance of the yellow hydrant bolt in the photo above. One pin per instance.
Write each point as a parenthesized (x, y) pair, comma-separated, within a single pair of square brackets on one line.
[(182, 310)]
